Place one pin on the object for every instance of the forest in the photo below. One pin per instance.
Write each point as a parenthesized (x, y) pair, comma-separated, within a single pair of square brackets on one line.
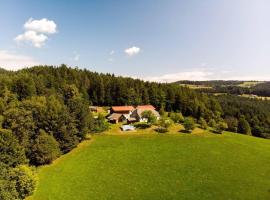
[(261, 88), (44, 113)]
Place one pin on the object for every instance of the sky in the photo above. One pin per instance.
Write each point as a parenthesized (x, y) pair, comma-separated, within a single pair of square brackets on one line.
[(156, 40)]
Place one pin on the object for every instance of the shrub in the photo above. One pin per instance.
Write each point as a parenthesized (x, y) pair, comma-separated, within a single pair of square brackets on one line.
[(25, 180), (189, 124), (161, 130), (212, 123), (16, 183), (244, 127), (45, 149), (142, 125), (220, 127), (151, 118), (100, 124), (11, 153), (165, 122), (176, 117), (203, 123)]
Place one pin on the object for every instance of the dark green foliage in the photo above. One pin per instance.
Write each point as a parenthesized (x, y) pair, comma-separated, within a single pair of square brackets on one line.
[(189, 124), (212, 123), (24, 86), (176, 117), (24, 179), (232, 123), (142, 125), (256, 112), (12, 153), (100, 124), (243, 127), (16, 183), (21, 122), (203, 123), (45, 149), (161, 130), (165, 122), (220, 127), (7, 187), (151, 118)]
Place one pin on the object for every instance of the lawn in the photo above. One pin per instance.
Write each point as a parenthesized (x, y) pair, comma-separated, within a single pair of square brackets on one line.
[(160, 166)]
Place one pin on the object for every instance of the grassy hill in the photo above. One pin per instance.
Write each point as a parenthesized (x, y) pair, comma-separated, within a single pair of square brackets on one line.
[(160, 166)]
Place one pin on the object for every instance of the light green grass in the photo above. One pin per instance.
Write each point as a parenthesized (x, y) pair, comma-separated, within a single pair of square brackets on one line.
[(191, 86), (249, 83), (254, 96), (166, 166)]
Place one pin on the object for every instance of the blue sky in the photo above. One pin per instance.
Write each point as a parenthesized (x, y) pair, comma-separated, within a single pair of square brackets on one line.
[(160, 40)]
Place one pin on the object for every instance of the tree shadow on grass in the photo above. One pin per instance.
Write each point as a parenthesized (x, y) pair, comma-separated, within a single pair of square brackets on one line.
[(185, 131)]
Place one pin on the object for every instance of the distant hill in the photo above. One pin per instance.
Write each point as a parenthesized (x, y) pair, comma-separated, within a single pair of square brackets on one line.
[(260, 88)]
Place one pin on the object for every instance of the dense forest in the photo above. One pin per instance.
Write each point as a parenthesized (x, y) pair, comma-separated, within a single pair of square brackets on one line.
[(232, 87), (44, 113)]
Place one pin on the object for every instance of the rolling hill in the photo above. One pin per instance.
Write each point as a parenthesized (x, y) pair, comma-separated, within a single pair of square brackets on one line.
[(160, 166)]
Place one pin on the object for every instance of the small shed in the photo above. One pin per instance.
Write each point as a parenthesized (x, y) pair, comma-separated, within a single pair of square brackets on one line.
[(128, 128)]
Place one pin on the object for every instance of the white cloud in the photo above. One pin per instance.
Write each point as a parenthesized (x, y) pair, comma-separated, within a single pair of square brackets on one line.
[(41, 26), (36, 32), (132, 51), (13, 61), (38, 40), (203, 75), (188, 75)]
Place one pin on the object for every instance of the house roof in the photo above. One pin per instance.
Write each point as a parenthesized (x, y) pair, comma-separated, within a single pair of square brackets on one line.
[(114, 116), (122, 108), (146, 107), (138, 112)]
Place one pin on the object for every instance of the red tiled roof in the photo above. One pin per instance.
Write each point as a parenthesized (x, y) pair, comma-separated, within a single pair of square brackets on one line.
[(146, 107), (122, 108)]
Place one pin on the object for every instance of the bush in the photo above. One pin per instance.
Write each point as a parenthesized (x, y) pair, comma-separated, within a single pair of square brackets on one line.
[(142, 125), (100, 124), (176, 117), (25, 181), (189, 124), (16, 183), (220, 127), (165, 122), (11, 153), (244, 127), (212, 123), (151, 118), (45, 149), (203, 123), (161, 130)]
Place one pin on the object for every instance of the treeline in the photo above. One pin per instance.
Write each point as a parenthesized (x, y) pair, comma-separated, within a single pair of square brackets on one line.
[(231, 87), (254, 111), (38, 123), (44, 113), (212, 83)]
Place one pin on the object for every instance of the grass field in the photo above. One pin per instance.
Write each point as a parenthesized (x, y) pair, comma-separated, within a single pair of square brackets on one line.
[(196, 86), (254, 97), (166, 166), (249, 83)]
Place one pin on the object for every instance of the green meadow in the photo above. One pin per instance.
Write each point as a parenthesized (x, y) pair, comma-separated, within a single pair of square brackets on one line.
[(160, 166)]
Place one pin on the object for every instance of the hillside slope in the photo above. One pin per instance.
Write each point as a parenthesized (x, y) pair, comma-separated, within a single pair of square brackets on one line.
[(171, 166)]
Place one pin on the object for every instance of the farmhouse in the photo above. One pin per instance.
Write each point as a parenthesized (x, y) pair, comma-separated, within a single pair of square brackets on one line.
[(137, 113), (130, 114), (120, 113)]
